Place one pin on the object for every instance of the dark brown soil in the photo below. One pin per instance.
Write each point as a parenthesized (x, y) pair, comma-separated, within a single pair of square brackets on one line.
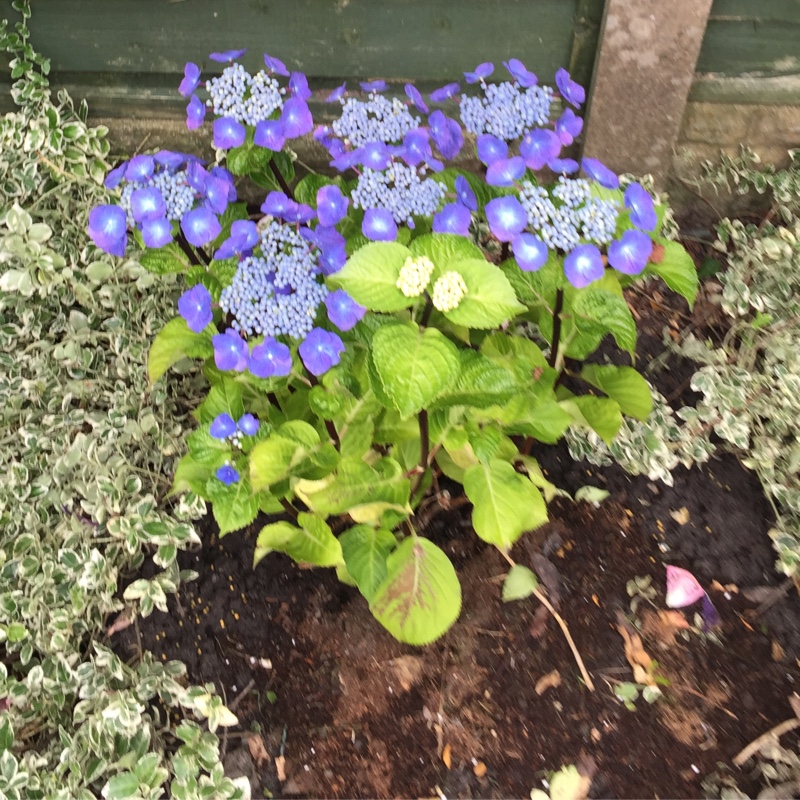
[(356, 714)]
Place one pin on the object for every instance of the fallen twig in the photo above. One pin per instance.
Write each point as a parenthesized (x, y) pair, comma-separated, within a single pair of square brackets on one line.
[(757, 744), (564, 629)]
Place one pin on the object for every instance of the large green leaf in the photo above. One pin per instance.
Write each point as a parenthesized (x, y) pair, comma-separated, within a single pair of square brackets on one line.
[(165, 260), (490, 299), (191, 475), (272, 460), (529, 415), (207, 450), (414, 366), (598, 312), (601, 414), (623, 384), (444, 248), (677, 270), (365, 550), (233, 506), (481, 383), (174, 342), (358, 489), (536, 289), (224, 397), (370, 276), (310, 542), (506, 504), (420, 597)]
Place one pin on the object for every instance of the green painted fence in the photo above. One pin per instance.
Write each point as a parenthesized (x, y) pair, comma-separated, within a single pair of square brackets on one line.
[(127, 57)]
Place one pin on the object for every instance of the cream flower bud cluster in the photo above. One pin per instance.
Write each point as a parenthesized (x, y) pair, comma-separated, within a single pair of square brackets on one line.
[(448, 291), (415, 275)]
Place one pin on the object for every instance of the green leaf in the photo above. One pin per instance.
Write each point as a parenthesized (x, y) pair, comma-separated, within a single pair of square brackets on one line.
[(414, 366), (358, 489), (481, 383), (310, 542), (444, 248), (420, 597), (191, 475), (677, 270), (224, 397), (174, 342), (121, 786), (506, 504), (307, 188), (536, 289), (520, 355), (365, 550), (623, 384), (601, 414), (165, 260), (490, 299), (598, 311), (370, 276), (234, 507), (207, 450), (272, 459), (519, 583)]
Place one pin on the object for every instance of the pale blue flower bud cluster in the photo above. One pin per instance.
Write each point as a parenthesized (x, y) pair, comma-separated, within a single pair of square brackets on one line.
[(175, 189), (506, 110), (279, 290), (378, 119), (569, 214), (247, 98), (400, 190)]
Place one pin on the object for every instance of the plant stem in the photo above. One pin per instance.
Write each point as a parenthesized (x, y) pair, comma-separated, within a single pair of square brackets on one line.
[(556, 327), (281, 180), (424, 450), (563, 625), (196, 255), (329, 426), (289, 508), (426, 313)]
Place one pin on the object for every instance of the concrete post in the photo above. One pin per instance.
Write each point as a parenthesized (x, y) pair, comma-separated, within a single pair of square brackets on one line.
[(643, 72)]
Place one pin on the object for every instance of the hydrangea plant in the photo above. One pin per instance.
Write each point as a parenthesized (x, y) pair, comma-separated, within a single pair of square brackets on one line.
[(365, 335)]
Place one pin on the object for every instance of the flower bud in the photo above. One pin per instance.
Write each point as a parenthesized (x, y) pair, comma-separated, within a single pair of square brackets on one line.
[(448, 291), (415, 275)]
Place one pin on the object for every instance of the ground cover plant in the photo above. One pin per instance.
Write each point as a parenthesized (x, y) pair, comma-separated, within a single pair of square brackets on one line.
[(84, 446), (366, 336)]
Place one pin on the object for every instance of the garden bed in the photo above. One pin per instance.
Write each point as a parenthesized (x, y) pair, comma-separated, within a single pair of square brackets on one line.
[(353, 713)]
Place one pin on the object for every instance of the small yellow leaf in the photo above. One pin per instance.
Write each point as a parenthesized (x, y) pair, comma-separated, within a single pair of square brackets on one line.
[(447, 756), (681, 516), (549, 681), (479, 769)]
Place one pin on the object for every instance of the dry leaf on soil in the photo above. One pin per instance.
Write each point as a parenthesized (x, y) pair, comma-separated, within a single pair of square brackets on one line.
[(258, 752), (681, 516), (280, 768), (447, 756), (549, 681), (635, 653)]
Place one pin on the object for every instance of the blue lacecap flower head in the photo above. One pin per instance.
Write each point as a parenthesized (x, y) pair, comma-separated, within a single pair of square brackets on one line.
[(506, 217), (320, 351), (230, 351), (108, 229), (630, 253), (227, 474), (248, 425), (222, 426), (270, 359), (379, 225), (584, 265), (194, 305), (453, 218), (343, 311)]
